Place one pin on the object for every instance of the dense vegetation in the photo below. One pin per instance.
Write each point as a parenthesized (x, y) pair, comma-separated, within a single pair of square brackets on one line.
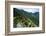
[(25, 19)]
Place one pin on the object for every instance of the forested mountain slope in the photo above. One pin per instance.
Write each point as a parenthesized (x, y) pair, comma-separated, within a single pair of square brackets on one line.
[(25, 18)]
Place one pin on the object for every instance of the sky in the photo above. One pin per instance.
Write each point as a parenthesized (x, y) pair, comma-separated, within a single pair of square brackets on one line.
[(33, 10)]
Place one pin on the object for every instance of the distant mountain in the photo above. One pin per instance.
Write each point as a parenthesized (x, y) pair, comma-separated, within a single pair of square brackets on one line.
[(36, 14)]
